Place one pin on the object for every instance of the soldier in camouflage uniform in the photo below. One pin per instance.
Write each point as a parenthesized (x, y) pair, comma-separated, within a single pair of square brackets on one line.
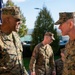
[(67, 26), (10, 45), (42, 60)]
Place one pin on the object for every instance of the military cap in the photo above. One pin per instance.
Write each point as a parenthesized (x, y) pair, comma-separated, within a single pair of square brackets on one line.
[(14, 11), (50, 34), (64, 16)]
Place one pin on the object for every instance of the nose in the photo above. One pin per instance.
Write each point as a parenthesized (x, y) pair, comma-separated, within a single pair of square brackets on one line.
[(60, 27), (19, 22)]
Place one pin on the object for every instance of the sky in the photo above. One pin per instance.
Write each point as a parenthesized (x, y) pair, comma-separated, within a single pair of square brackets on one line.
[(53, 6)]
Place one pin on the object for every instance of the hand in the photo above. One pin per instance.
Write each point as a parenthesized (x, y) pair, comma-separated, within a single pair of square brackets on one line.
[(54, 73), (62, 56), (33, 73)]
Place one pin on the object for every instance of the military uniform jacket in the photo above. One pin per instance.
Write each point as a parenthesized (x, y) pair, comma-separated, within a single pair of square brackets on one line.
[(69, 63), (12, 62), (42, 60)]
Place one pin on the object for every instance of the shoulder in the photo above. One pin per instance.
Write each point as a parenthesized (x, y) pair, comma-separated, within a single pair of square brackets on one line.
[(38, 45), (15, 34), (49, 46)]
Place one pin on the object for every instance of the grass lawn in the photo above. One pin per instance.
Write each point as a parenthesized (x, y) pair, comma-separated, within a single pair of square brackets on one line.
[(27, 60), (26, 63)]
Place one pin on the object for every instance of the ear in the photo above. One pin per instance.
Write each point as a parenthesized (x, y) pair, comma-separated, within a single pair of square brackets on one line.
[(71, 24), (7, 20)]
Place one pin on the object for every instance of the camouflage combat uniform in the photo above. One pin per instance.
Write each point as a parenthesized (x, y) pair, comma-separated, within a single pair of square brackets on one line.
[(69, 63), (69, 53), (12, 63), (42, 60), (59, 66)]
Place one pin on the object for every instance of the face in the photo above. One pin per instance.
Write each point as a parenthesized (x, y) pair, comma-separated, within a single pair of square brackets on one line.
[(15, 24), (62, 56), (65, 28), (18, 22), (48, 39), (10, 24)]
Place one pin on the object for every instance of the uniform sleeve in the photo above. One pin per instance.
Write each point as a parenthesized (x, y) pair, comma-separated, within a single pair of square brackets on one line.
[(33, 59), (70, 58), (52, 62), (1, 43)]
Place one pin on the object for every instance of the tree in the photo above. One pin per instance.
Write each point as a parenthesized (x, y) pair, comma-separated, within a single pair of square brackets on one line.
[(44, 23), (9, 3), (23, 28)]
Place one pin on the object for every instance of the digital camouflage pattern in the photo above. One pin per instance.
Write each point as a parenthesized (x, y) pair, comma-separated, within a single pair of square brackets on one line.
[(12, 45), (64, 16), (42, 60), (69, 63), (59, 66)]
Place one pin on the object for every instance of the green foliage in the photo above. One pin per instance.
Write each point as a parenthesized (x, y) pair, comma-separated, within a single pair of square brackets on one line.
[(23, 28), (55, 44), (43, 23), (9, 3)]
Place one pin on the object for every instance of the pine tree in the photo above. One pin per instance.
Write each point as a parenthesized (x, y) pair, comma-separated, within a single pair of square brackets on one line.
[(44, 23), (23, 28)]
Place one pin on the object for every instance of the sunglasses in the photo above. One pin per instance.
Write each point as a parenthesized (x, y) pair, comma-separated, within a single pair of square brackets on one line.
[(18, 20)]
